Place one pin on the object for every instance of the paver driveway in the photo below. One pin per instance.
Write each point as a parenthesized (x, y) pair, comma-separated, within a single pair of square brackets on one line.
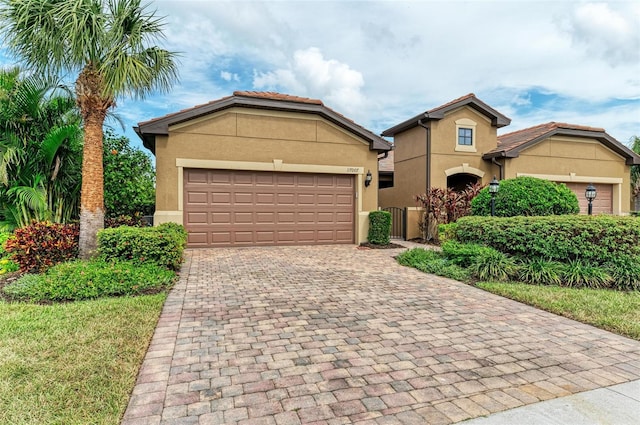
[(336, 335)]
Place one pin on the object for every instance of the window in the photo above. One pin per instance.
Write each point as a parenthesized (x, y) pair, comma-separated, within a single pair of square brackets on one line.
[(465, 136)]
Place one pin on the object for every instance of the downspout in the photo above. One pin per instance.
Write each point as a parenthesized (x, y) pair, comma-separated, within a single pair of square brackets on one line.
[(428, 149), (428, 170), (500, 166)]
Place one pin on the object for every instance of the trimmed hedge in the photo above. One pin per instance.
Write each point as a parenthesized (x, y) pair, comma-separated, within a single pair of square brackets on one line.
[(379, 227), (528, 196), (162, 245), (561, 238)]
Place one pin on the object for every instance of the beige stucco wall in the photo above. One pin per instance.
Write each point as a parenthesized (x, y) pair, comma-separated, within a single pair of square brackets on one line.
[(241, 138), (410, 164), (575, 159)]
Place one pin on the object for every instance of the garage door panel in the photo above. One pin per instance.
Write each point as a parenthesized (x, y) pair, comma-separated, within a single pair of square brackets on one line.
[(265, 208), (603, 204)]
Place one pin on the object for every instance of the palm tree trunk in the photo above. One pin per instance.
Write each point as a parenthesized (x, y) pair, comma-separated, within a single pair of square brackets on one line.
[(92, 192)]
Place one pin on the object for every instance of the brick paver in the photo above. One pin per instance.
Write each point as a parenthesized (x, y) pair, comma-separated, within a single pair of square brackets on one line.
[(336, 334)]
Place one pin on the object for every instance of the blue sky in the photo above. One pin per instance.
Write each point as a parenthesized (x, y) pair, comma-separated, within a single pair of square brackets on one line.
[(380, 63)]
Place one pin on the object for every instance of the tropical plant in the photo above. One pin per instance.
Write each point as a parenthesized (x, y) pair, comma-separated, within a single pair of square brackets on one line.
[(635, 169), (493, 265), (443, 206), (107, 43), (40, 150), (538, 271), (129, 179), (528, 196)]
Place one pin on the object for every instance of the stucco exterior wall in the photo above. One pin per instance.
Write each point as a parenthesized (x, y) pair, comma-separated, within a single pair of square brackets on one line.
[(253, 139), (410, 163), (575, 159)]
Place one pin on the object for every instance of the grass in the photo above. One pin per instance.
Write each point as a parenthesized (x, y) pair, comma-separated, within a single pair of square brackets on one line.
[(614, 311), (72, 363)]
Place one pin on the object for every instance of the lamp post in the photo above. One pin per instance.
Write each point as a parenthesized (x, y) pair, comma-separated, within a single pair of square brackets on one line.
[(590, 193), (494, 187)]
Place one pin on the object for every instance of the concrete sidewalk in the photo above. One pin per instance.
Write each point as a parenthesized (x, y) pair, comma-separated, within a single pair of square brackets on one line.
[(615, 405), (339, 335)]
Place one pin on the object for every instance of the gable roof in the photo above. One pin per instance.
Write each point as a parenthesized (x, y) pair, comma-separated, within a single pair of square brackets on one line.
[(497, 119), (511, 144), (148, 130)]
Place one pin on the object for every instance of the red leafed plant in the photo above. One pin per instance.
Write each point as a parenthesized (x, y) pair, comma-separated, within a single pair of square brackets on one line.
[(444, 206), (43, 244)]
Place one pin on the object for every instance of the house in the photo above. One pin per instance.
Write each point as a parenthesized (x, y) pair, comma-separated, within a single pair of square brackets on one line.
[(261, 168), (457, 144)]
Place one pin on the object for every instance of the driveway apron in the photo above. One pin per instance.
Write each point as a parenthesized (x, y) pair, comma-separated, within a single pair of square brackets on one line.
[(340, 335)]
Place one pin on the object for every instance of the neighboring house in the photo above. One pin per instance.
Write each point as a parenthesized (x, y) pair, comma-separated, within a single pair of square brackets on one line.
[(456, 144), (260, 168)]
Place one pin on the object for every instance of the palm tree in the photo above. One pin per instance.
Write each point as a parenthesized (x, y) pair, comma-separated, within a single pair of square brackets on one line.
[(106, 42), (40, 150)]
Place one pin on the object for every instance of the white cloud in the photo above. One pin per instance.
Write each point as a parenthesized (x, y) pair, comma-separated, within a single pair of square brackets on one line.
[(229, 76), (310, 74)]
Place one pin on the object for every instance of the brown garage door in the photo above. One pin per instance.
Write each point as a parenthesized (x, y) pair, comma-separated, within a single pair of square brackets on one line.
[(243, 208), (603, 204)]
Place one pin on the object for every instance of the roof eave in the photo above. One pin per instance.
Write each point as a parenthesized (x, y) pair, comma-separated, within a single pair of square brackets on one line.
[(161, 125)]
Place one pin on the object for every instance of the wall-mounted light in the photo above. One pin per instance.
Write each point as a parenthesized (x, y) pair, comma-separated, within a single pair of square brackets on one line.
[(368, 179)]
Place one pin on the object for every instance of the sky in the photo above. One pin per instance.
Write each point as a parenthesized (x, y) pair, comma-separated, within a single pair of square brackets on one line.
[(382, 62)]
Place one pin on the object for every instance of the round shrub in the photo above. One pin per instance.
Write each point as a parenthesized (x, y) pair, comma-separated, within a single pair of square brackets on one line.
[(527, 196)]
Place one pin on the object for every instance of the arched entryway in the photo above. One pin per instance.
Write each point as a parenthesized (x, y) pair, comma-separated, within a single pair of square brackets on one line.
[(461, 181)]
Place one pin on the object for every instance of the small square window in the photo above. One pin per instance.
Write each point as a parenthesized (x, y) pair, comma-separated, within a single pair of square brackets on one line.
[(465, 137)]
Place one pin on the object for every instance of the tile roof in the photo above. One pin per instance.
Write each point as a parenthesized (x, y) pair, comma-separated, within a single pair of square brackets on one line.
[(277, 96), (454, 101), (513, 140), (387, 164)]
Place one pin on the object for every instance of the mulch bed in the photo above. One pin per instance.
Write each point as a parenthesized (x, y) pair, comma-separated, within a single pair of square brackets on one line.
[(367, 245)]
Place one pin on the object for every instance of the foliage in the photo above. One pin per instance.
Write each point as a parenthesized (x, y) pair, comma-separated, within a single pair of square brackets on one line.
[(614, 311), (578, 273), (81, 280), (129, 179), (493, 265), (446, 232), (625, 272), (560, 238), (434, 262), (528, 196), (442, 206), (538, 271), (379, 227), (162, 245), (43, 244), (135, 220), (40, 145), (464, 254), (108, 43), (73, 363)]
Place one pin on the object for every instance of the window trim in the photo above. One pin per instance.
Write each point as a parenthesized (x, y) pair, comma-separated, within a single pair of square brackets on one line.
[(465, 123)]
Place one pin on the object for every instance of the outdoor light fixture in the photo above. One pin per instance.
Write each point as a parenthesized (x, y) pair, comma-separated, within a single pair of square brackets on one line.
[(368, 178), (494, 187), (590, 193)]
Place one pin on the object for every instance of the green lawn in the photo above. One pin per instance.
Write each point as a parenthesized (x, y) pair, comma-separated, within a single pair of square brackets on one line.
[(614, 311), (73, 363)]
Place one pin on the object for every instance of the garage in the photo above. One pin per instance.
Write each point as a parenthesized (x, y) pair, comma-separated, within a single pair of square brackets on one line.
[(264, 168), (249, 208), (603, 204)]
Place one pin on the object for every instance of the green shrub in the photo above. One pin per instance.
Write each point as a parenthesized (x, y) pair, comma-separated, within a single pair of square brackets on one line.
[(463, 254), (446, 232), (527, 196), (135, 220), (379, 227), (539, 271), (162, 245), (80, 280), (42, 245), (625, 272), (560, 238), (433, 262), (577, 273), (492, 265)]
